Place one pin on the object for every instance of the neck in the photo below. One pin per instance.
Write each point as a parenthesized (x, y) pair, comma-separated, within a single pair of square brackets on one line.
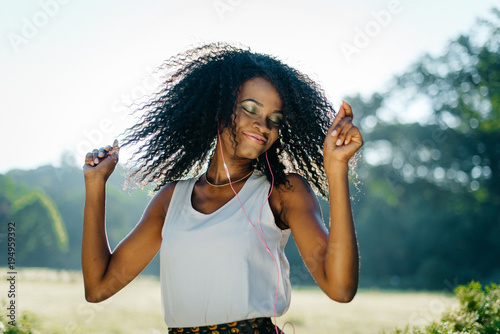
[(237, 168)]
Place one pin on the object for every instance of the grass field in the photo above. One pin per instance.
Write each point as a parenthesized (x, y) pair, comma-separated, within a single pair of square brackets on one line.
[(56, 298)]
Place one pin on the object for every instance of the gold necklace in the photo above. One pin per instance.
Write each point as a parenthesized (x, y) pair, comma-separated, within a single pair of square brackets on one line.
[(225, 184)]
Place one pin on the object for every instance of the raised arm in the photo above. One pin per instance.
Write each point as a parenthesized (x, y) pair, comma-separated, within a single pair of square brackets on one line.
[(106, 272), (331, 257)]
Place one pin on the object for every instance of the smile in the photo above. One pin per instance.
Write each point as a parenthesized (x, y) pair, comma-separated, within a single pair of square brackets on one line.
[(256, 138)]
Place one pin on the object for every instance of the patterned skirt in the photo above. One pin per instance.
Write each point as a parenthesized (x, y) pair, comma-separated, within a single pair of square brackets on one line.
[(251, 326)]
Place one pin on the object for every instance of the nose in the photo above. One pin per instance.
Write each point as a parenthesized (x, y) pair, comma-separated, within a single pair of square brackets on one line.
[(262, 125)]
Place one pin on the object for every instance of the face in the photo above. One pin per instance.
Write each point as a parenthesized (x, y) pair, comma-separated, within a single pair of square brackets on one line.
[(257, 116)]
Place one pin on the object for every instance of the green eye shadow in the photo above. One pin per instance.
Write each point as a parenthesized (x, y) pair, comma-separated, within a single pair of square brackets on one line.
[(249, 107), (277, 120)]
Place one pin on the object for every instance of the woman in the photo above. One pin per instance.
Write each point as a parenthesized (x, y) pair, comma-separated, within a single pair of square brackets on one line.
[(235, 140)]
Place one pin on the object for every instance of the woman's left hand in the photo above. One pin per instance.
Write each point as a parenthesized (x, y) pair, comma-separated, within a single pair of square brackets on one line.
[(343, 139)]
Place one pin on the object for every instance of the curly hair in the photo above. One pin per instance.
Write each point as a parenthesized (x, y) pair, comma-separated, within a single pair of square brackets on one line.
[(177, 132)]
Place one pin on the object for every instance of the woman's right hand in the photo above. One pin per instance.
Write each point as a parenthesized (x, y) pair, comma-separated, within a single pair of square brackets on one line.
[(100, 164), (106, 272)]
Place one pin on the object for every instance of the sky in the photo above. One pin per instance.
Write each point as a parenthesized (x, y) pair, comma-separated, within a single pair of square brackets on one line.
[(68, 68)]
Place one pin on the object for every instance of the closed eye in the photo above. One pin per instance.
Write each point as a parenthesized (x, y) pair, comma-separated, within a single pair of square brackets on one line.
[(249, 109), (276, 120)]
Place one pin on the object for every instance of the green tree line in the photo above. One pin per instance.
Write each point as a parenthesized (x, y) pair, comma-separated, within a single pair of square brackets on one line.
[(430, 211), (427, 207)]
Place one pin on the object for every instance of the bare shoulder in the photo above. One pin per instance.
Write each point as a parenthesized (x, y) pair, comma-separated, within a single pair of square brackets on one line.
[(292, 197), (159, 204), (296, 187), (165, 194), (168, 189)]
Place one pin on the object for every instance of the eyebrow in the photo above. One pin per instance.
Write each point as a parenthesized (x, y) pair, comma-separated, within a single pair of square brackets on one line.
[(255, 101), (260, 105)]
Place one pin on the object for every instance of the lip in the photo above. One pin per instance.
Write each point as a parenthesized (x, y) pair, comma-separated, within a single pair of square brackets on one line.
[(256, 138)]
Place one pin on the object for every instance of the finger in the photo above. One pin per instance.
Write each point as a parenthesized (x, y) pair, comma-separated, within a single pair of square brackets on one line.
[(102, 153), (88, 159), (348, 136), (107, 148), (354, 131), (115, 149), (340, 115), (338, 127), (95, 156), (347, 109), (343, 130), (344, 111)]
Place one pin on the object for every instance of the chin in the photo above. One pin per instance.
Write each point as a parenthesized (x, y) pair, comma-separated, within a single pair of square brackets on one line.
[(250, 154)]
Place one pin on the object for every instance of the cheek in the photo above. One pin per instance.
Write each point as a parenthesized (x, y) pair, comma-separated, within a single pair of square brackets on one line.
[(274, 136), (241, 119)]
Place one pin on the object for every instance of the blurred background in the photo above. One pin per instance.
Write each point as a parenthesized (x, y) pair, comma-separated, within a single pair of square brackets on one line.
[(423, 78)]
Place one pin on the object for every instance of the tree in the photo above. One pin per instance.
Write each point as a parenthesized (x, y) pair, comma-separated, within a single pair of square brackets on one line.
[(430, 214), (40, 232)]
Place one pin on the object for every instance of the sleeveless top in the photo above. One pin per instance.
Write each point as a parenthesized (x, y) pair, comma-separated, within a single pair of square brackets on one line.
[(213, 267)]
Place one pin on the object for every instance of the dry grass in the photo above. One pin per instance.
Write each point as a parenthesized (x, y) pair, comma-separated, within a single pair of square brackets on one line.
[(370, 311), (56, 297)]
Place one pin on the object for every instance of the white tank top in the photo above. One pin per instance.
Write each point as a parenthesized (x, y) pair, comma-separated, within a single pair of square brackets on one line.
[(213, 267)]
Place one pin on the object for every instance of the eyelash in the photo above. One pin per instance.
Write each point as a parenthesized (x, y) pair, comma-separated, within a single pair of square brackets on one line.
[(249, 111), (253, 112)]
